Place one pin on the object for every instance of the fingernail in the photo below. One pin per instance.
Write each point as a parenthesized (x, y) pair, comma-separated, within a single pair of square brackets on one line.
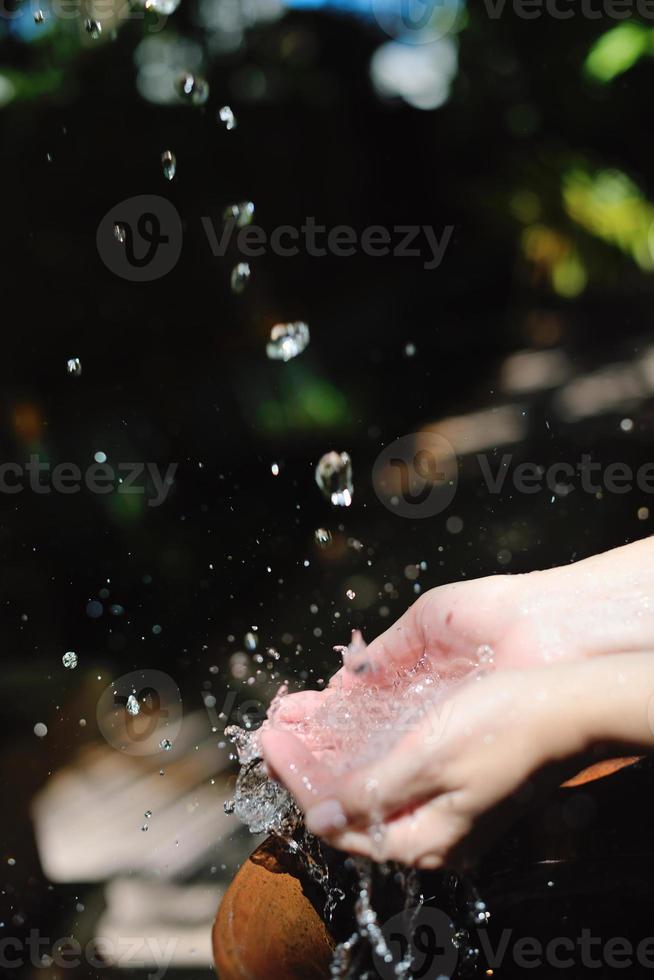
[(325, 818)]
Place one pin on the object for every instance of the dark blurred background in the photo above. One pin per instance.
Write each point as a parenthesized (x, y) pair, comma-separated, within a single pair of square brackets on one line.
[(531, 137)]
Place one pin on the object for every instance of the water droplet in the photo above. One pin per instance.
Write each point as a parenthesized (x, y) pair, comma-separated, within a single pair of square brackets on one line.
[(323, 537), (351, 594), (147, 814), (287, 340), (241, 214), (100, 457), (94, 609), (74, 366), (69, 659), (193, 89), (274, 469), (334, 477), (409, 350), (485, 654), (164, 7), (40, 730), (38, 17), (133, 707), (93, 28), (227, 117), (119, 233), (229, 806), (165, 744), (144, 827), (156, 629), (168, 164), (251, 641), (240, 277)]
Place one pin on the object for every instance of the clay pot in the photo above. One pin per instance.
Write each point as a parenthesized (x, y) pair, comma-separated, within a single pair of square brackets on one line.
[(267, 927)]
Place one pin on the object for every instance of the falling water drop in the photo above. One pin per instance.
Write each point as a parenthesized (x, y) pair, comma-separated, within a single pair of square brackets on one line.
[(93, 28), (323, 537), (241, 214), (164, 7), (39, 17), (251, 641), (193, 89), (74, 366), (69, 659), (240, 277), (334, 477), (351, 594), (133, 707), (227, 117), (165, 744), (168, 164), (287, 340)]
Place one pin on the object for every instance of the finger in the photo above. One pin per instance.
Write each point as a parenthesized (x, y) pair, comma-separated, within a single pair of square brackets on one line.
[(296, 767), (431, 836), (294, 709), (401, 645), (376, 792)]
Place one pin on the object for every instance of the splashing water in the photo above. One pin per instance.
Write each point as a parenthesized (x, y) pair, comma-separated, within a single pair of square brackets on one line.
[(353, 724), (334, 477)]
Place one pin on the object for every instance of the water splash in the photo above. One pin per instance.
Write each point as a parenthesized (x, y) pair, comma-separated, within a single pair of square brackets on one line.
[(353, 724)]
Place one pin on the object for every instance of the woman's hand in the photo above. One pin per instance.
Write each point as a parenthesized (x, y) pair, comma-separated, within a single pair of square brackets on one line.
[(448, 787), (595, 607)]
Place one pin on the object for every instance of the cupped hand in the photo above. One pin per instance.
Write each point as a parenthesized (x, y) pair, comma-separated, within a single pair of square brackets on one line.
[(446, 788)]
